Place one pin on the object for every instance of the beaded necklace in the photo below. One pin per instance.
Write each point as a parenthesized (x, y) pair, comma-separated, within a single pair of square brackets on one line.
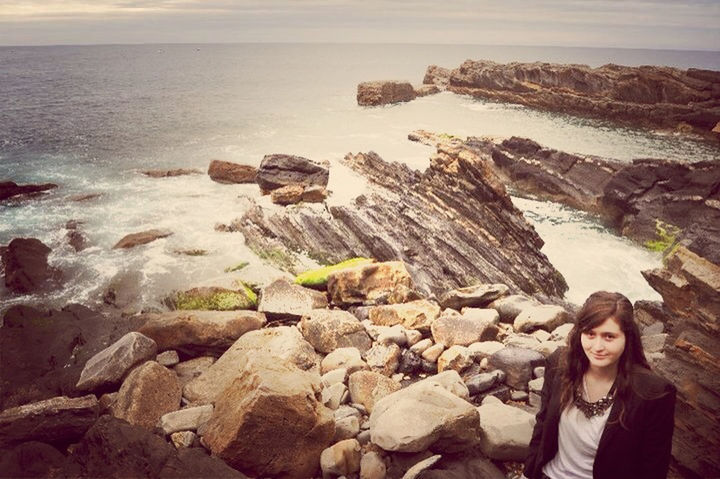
[(596, 408)]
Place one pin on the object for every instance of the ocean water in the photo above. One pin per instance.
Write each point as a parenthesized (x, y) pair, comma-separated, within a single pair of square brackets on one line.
[(90, 118)]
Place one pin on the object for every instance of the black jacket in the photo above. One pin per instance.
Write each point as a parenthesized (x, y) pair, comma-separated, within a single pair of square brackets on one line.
[(642, 451)]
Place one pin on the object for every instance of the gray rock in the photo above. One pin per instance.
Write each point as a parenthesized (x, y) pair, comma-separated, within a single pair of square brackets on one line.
[(654, 343), (346, 428), (506, 431), (484, 349), (344, 358), (409, 363), (328, 330), (509, 307), (192, 368), (342, 458), (333, 396), (367, 388), (655, 328), (421, 466), (188, 419), (477, 296), (279, 170), (283, 299), (482, 382), (109, 366), (372, 466), (518, 396), (518, 365)]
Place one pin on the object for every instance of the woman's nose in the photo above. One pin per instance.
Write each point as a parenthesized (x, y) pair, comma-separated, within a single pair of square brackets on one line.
[(598, 343)]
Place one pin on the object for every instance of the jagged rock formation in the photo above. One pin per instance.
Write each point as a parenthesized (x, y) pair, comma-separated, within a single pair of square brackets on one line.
[(642, 199), (376, 93), (452, 225), (650, 96)]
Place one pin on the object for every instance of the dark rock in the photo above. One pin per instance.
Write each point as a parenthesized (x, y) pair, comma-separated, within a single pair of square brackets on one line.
[(144, 237), (195, 462), (501, 391), (650, 96), (84, 197), (229, 173), (26, 266), (10, 189), (280, 170), (429, 367), (384, 92), (31, 459), (410, 363), (517, 364), (478, 296), (76, 239), (171, 173), (451, 225), (469, 466), (482, 382)]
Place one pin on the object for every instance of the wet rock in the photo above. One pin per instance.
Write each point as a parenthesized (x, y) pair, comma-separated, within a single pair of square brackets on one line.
[(149, 392), (188, 419), (287, 195), (376, 93), (417, 315), (275, 403), (506, 431), (280, 170), (230, 173), (171, 173), (344, 358), (367, 388), (10, 189), (282, 299), (367, 283), (421, 416), (26, 267), (110, 365), (84, 197), (517, 364), (453, 328), (75, 237), (285, 345), (328, 330), (547, 317), (55, 420), (383, 358), (478, 296), (136, 239), (200, 331)]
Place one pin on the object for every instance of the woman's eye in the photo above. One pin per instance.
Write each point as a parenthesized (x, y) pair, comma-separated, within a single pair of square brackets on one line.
[(609, 337), (589, 334)]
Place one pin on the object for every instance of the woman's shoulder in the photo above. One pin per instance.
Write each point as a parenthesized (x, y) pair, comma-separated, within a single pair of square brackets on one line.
[(649, 384)]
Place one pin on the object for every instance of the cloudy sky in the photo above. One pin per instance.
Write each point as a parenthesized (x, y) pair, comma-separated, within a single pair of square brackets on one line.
[(661, 24)]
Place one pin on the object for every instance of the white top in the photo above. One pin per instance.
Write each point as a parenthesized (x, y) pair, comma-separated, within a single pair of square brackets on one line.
[(578, 439)]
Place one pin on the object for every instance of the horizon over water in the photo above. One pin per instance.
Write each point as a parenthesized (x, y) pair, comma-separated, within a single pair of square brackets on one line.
[(91, 117)]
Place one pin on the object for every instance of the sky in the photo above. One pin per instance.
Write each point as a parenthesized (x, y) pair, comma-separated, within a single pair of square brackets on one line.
[(655, 24)]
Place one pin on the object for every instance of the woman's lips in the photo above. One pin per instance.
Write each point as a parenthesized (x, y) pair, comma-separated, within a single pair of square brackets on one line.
[(599, 356)]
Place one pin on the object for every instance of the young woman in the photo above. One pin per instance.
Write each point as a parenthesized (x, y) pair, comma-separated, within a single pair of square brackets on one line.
[(604, 414)]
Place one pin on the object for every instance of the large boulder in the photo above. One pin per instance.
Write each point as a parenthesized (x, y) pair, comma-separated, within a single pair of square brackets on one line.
[(506, 430), (144, 237), (367, 283), (328, 330), (25, 262), (284, 345), (368, 387), (56, 420), (546, 317), (10, 189), (419, 314), (200, 331), (109, 366), (275, 404), (280, 170), (283, 299), (376, 93), (229, 173), (149, 392), (424, 415), (453, 328), (517, 364)]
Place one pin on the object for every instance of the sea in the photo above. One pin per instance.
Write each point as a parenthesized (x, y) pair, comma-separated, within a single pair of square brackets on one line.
[(91, 118)]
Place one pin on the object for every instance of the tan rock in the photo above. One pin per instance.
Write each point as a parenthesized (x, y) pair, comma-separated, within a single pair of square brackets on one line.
[(148, 392), (546, 316), (418, 314), (367, 282), (287, 195), (477, 296), (281, 298), (188, 419), (433, 352), (457, 358), (372, 466), (506, 431), (192, 368), (328, 330), (182, 439), (314, 194), (484, 349), (453, 328), (344, 358), (376, 93), (229, 173), (383, 358), (342, 458), (367, 387)]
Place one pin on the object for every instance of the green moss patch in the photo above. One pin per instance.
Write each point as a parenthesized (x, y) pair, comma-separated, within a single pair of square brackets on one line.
[(666, 237), (237, 267), (319, 277), (216, 299)]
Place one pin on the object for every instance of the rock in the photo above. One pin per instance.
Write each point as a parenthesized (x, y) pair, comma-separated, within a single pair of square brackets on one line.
[(517, 364), (547, 317), (342, 458), (421, 466), (451, 381), (457, 358), (561, 332), (76, 239), (229, 173), (109, 366), (426, 90), (287, 195), (541, 335), (335, 395), (391, 334), (518, 396), (539, 372), (189, 370), (452, 328), (149, 392), (31, 459), (372, 466), (168, 358), (383, 358), (418, 314), (536, 385), (421, 416), (484, 349), (438, 76), (56, 420), (522, 340), (345, 358), (200, 331), (214, 298), (10, 189), (314, 194), (367, 388), (421, 346), (26, 267), (280, 170), (136, 239), (282, 299), (188, 419), (171, 173), (506, 431), (412, 337), (654, 328), (410, 363), (346, 428), (433, 352), (194, 462), (328, 330), (285, 345), (384, 92), (182, 439), (482, 382), (84, 197), (478, 296), (333, 377), (275, 403), (367, 283), (468, 466)]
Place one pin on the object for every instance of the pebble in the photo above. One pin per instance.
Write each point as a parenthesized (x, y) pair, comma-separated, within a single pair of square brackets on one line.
[(168, 358)]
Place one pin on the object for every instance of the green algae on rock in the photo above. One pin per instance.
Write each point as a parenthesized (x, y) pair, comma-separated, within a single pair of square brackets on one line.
[(237, 267), (215, 299), (319, 277)]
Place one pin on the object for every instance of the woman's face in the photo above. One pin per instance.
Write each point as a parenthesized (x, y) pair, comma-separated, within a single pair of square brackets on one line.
[(604, 344)]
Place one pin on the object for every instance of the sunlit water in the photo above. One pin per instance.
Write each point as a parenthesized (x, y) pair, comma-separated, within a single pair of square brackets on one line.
[(90, 118)]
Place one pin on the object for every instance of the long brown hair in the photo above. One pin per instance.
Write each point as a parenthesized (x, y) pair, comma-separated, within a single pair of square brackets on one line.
[(597, 308)]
